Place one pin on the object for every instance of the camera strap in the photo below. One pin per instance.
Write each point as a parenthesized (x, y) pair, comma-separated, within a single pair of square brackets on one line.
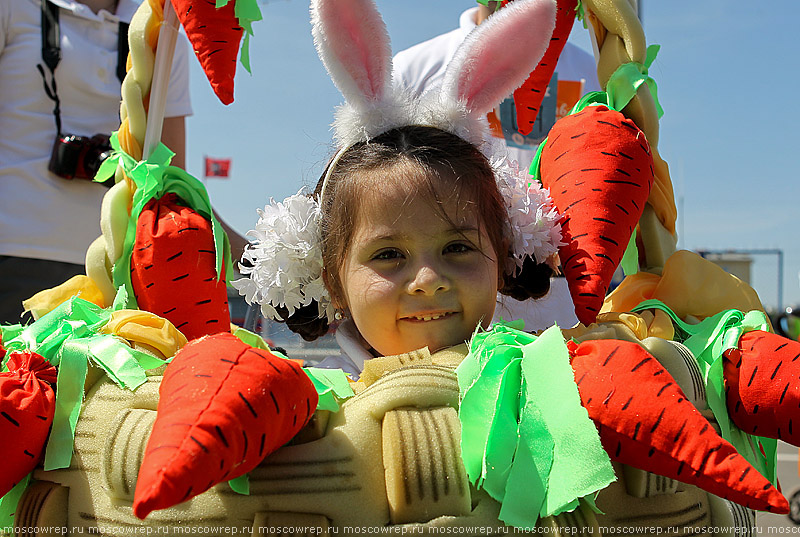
[(51, 54)]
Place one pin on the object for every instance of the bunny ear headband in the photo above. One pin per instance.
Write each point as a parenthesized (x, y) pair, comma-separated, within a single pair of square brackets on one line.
[(283, 267)]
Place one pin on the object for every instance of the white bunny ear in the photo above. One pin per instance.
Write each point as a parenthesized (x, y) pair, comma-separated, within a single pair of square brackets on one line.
[(497, 57), (353, 44)]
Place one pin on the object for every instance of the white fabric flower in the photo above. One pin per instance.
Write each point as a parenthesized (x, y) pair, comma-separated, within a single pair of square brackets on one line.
[(283, 266)]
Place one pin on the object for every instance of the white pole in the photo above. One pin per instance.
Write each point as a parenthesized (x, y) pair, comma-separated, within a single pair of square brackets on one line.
[(165, 50)]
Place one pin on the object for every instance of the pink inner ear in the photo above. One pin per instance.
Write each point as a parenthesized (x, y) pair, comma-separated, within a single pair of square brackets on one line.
[(357, 37), (503, 54)]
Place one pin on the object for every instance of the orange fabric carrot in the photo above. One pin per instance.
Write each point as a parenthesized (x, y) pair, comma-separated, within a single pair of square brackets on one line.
[(223, 407), (645, 420)]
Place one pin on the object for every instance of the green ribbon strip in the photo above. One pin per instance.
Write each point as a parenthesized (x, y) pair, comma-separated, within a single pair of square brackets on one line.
[(249, 338), (154, 177), (9, 503), (708, 341), (247, 12), (332, 387), (66, 337), (626, 80), (240, 485), (514, 382), (630, 259)]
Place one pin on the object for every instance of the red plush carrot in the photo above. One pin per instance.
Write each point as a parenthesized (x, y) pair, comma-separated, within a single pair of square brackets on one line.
[(215, 35), (528, 97), (645, 421), (173, 268), (599, 170), (27, 406), (762, 382), (223, 407)]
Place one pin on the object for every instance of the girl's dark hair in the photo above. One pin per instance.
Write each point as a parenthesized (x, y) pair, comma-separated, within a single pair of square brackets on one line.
[(442, 158)]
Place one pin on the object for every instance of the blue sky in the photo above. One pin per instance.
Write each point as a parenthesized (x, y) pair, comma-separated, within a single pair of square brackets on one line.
[(726, 74)]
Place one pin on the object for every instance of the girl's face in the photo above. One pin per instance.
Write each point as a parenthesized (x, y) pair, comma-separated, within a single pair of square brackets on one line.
[(412, 279)]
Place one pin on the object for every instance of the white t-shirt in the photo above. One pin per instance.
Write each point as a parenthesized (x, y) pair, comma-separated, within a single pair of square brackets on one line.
[(41, 215)]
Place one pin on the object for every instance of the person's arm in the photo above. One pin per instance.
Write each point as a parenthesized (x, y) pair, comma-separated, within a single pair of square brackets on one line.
[(173, 135)]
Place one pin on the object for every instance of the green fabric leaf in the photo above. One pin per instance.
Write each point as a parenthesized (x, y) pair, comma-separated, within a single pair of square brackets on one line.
[(240, 485), (626, 80), (630, 259), (154, 177), (332, 387), (68, 337), (249, 338), (8, 505), (708, 341), (513, 382)]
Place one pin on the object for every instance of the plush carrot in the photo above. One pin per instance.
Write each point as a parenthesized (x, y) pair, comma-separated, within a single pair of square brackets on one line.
[(762, 383), (173, 271), (215, 35), (598, 167), (27, 406), (223, 407), (528, 97), (645, 421)]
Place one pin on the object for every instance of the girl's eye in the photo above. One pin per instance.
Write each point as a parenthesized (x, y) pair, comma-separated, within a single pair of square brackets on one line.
[(458, 248), (389, 254)]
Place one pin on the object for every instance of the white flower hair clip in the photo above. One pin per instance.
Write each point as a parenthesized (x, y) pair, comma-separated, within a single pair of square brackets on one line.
[(283, 267)]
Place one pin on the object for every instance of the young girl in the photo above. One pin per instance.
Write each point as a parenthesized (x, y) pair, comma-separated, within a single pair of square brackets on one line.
[(415, 229)]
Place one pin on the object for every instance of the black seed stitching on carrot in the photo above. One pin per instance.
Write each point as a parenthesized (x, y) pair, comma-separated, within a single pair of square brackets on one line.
[(704, 429), (755, 410), (680, 432), (211, 279), (658, 421), (275, 402), (212, 321), (531, 108), (635, 204), (796, 356), (659, 372), (226, 360), (184, 323), (536, 90), (767, 486), (609, 239), (664, 387), (213, 52), (611, 355), (706, 458), (608, 123), (576, 136), (621, 208), (776, 371), (200, 303), (261, 445), (591, 308), (28, 453), (189, 229), (589, 400), (170, 310), (591, 170), (185, 496), (623, 172), (202, 376), (221, 464), (640, 364), (746, 471), (561, 155), (738, 405), (199, 443), (604, 256), (780, 402), (175, 256), (571, 205), (651, 452), (608, 397), (582, 378), (584, 277), (221, 437), (14, 422), (244, 451), (560, 177), (622, 182), (680, 468), (607, 153), (597, 190), (148, 267), (43, 418), (149, 285), (628, 402), (626, 156), (619, 449), (143, 248), (781, 346), (752, 376), (587, 294), (636, 430), (249, 406), (578, 236), (606, 220), (180, 277), (206, 251)]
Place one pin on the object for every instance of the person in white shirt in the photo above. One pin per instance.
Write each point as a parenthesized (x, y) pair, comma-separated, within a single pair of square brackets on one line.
[(47, 221)]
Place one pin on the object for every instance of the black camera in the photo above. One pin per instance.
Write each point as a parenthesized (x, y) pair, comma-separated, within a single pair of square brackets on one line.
[(79, 157)]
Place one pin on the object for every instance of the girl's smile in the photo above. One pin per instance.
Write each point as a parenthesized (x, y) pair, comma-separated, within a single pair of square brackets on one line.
[(414, 278)]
